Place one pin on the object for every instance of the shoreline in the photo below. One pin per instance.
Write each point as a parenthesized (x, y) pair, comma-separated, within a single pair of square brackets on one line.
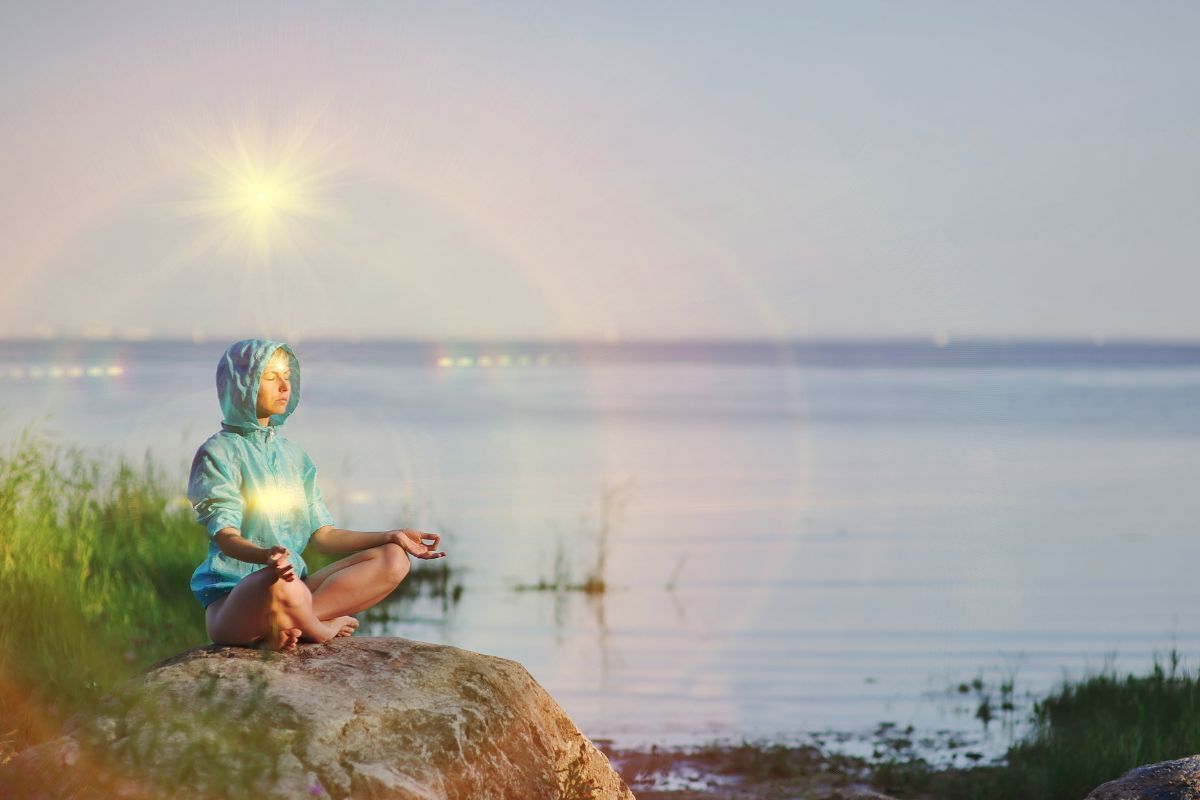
[(743, 772)]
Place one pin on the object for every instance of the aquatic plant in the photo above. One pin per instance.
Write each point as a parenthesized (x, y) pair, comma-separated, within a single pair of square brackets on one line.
[(614, 497)]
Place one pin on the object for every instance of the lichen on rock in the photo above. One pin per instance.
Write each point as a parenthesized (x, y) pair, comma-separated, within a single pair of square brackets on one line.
[(357, 717)]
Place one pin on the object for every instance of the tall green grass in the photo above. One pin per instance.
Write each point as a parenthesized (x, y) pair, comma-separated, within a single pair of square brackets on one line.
[(1084, 734), (94, 570), (1095, 730), (96, 555)]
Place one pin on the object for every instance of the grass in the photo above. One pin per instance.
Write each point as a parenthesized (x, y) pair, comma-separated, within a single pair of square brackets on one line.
[(94, 570), (95, 561), (1084, 734)]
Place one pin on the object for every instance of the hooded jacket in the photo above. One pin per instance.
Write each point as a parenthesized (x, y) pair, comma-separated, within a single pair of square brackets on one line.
[(248, 477)]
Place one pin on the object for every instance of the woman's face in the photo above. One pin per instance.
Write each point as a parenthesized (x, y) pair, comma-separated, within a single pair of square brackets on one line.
[(275, 389)]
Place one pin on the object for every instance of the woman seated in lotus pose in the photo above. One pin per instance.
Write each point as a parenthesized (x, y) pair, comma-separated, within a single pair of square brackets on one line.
[(256, 494)]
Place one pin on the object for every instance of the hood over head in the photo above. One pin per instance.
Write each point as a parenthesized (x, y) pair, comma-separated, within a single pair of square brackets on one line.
[(239, 373)]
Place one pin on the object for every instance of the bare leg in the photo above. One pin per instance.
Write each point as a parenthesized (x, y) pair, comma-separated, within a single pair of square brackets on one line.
[(264, 606), (357, 582)]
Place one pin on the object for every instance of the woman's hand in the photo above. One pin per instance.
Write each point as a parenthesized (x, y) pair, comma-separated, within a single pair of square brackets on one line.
[(421, 545), (278, 559)]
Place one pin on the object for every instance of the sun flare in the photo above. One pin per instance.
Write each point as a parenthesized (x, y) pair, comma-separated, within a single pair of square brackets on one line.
[(264, 194), (257, 188), (263, 197)]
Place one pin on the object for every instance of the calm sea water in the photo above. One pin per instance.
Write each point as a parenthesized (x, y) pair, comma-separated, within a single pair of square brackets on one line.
[(800, 538)]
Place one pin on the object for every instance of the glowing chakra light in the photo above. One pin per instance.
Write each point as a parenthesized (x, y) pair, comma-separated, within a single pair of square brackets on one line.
[(278, 499)]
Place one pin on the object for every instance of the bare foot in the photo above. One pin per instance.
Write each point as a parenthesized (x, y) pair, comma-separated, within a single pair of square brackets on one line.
[(345, 625), (283, 640), (331, 629)]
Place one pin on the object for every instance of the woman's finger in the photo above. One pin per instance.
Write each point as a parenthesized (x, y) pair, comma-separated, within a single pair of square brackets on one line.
[(431, 539)]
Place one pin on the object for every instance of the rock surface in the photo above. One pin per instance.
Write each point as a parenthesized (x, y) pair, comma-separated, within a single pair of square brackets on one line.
[(1168, 780), (357, 717)]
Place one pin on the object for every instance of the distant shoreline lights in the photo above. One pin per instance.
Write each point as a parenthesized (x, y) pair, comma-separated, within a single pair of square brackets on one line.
[(502, 360), (39, 372)]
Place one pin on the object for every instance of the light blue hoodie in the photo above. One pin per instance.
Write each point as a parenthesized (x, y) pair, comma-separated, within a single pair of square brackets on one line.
[(249, 477)]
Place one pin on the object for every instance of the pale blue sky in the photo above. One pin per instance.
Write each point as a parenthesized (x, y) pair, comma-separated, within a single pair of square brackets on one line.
[(668, 169)]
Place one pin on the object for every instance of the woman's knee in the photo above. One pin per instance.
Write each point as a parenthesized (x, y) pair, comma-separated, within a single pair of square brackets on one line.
[(292, 593), (395, 562)]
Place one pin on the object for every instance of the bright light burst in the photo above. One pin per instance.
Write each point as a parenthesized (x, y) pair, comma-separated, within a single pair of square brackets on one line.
[(258, 186), (264, 197), (278, 499)]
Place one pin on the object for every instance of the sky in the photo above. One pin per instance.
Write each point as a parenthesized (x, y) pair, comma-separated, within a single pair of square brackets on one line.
[(604, 170)]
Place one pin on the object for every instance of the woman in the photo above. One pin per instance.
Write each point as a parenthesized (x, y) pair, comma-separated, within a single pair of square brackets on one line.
[(256, 494)]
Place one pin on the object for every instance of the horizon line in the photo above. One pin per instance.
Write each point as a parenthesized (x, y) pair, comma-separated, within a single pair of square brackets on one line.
[(938, 340)]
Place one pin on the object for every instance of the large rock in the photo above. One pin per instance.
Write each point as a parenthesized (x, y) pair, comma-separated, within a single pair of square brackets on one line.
[(1168, 780), (355, 718)]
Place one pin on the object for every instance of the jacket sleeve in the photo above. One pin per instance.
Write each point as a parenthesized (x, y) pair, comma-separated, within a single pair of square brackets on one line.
[(318, 514), (215, 493)]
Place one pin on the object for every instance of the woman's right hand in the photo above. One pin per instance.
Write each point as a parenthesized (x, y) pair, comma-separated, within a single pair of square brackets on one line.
[(278, 559)]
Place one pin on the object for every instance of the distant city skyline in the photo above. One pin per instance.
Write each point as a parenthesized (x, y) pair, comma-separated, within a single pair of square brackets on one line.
[(934, 171)]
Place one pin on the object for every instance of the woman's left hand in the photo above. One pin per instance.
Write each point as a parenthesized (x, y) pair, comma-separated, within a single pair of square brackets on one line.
[(418, 543)]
